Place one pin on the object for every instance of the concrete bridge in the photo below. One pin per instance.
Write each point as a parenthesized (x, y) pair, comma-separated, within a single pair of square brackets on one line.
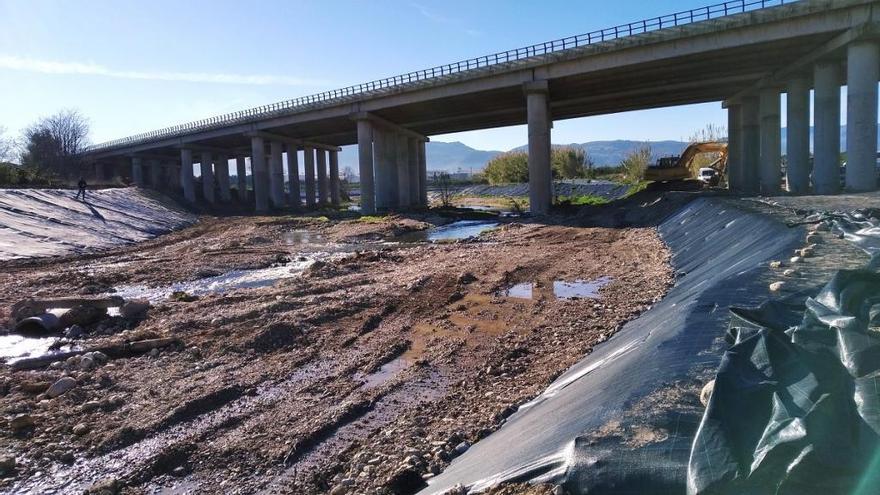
[(745, 53)]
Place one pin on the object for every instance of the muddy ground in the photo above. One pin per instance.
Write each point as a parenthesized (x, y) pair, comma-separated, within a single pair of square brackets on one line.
[(367, 373)]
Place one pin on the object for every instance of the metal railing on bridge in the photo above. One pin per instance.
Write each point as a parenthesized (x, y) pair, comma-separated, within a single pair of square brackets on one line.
[(304, 102)]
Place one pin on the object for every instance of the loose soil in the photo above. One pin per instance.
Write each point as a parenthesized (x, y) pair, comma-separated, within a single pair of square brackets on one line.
[(368, 373)]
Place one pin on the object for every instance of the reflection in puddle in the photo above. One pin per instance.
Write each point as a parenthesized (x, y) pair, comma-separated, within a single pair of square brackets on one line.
[(462, 229), (299, 237), (519, 291), (15, 347), (579, 288), (385, 373)]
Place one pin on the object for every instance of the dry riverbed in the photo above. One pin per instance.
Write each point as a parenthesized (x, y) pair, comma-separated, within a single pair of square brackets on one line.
[(361, 366)]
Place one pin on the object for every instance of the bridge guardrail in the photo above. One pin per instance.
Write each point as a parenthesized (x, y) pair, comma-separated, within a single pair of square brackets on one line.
[(624, 30)]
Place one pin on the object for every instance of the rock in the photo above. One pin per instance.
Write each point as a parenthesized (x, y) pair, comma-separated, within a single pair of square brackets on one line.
[(179, 471), (796, 259), (61, 386), (135, 308), (107, 486), (777, 286), (462, 447), (74, 332), (87, 363), (83, 315), (207, 272), (21, 422), (81, 429), (7, 464), (791, 272), (339, 490), (99, 357), (775, 264), (814, 238), (34, 387), (706, 393), (92, 405), (405, 481), (807, 252), (467, 278), (182, 296), (822, 227), (154, 353)]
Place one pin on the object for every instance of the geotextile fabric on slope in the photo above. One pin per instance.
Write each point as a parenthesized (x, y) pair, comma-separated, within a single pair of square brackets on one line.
[(623, 419), (796, 403)]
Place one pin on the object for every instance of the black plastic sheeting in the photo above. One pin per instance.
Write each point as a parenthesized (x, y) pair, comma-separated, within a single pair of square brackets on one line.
[(584, 431), (796, 402)]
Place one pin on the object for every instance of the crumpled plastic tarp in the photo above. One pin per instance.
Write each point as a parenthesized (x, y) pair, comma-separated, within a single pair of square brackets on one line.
[(796, 402)]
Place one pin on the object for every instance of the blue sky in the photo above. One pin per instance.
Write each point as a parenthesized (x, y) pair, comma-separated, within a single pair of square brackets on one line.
[(135, 66)]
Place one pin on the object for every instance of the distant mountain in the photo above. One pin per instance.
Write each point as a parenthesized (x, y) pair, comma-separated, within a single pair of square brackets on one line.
[(842, 138), (611, 153)]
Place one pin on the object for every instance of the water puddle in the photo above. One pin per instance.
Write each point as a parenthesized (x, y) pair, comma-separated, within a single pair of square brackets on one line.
[(385, 373), (301, 238), (577, 289), (227, 282), (460, 230), (17, 347)]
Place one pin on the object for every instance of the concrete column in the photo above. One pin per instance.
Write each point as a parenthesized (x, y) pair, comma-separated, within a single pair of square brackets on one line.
[(293, 175), (334, 178), (99, 172), (423, 174), (259, 174), (241, 179), (734, 148), (137, 171), (403, 199), (540, 176), (155, 174), (383, 184), (797, 146), (276, 174), (221, 169), (309, 163), (414, 175), (323, 189), (751, 145), (771, 142), (207, 168), (186, 175), (365, 166), (826, 108), (862, 73), (391, 160)]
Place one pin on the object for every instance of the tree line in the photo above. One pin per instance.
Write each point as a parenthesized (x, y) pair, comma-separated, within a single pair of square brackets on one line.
[(47, 152)]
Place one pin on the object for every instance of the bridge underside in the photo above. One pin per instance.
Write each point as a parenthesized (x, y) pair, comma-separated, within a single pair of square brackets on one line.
[(747, 60)]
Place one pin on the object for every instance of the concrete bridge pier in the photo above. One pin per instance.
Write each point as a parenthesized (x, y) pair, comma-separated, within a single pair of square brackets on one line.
[(423, 173), (415, 176), (207, 168), (797, 148), (771, 141), (259, 174), (137, 171), (186, 175), (863, 71), (323, 189), (221, 168), (540, 175), (309, 163), (174, 176), (155, 174), (276, 174), (334, 178), (826, 155), (241, 178), (383, 181), (402, 161), (734, 148), (751, 145), (293, 176), (365, 166)]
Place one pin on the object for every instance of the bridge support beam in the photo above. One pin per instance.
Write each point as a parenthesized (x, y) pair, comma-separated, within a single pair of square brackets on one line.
[(221, 168), (863, 71), (751, 145), (293, 175), (241, 178), (156, 174), (276, 174), (137, 171), (186, 175), (734, 148), (309, 162), (386, 176), (259, 174), (423, 173), (365, 166), (402, 161), (540, 177), (334, 178), (826, 161), (323, 189), (412, 155), (173, 178), (771, 141), (797, 147), (207, 168)]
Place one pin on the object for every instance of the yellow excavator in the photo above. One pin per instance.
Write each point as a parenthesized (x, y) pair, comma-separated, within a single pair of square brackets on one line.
[(679, 167)]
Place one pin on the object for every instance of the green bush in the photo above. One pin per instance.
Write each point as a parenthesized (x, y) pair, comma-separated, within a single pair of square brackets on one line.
[(12, 175), (567, 162), (635, 164)]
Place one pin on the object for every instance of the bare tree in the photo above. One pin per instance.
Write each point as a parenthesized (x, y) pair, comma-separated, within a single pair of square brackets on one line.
[(54, 143), (7, 146)]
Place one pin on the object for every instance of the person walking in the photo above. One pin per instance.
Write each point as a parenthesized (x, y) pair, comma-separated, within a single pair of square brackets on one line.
[(82, 189)]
